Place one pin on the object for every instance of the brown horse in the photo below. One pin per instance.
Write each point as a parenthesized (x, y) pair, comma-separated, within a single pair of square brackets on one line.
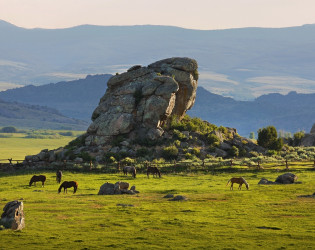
[(154, 171), (238, 180), (130, 169), (68, 184), (37, 178), (58, 176)]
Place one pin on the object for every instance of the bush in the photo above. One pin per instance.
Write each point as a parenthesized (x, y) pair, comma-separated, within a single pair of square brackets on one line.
[(196, 151), (268, 138), (142, 152), (234, 152), (212, 139), (8, 130), (189, 156), (69, 133), (78, 142), (170, 153), (178, 135), (128, 161), (86, 156)]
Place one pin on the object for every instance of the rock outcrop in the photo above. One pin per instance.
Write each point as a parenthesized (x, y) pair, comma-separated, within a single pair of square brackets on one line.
[(313, 129), (287, 178), (139, 101), (13, 215), (117, 188)]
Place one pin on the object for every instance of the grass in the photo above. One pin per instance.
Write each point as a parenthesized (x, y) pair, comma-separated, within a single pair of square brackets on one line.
[(17, 146), (264, 217)]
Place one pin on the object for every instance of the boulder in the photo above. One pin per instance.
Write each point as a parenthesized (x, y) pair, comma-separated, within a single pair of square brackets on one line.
[(139, 101), (117, 188), (313, 129), (264, 181), (107, 189), (287, 178), (179, 198), (13, 215)]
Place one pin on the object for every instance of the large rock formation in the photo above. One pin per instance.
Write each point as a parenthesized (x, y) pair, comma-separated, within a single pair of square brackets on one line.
[(139, 101), (13, 215), (309, 139)]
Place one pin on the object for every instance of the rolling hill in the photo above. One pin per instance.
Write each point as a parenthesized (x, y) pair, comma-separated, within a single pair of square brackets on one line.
[(36, 117), (79, 98), (240, 63)]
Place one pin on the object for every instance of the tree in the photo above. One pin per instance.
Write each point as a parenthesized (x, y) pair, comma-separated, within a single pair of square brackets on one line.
[(268, 138), (8, 130), (252, 135)]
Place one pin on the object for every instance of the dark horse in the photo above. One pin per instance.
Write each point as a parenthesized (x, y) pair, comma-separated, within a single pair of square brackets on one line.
[(37, 178), (154, 171), (130, 169), (68, 184), (58, 176)]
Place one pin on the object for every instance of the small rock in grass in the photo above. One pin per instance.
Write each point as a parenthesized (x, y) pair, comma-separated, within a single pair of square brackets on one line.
[(169, 196), (179, 198), (125, 205)]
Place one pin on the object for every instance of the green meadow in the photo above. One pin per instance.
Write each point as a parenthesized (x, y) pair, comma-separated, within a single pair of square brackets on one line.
[(18, 145), (213, 217)]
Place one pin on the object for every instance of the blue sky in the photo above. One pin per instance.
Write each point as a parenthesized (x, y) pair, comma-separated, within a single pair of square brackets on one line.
[(197, 14)]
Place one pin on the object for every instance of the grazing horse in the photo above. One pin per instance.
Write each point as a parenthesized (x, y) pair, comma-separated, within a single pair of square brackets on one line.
[(58, 176), (37, 178), (238, 180), (68, 184), (154, 171), (131, 170)]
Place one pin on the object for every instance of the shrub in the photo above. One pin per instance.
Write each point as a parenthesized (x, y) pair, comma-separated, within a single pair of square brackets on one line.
[(196, 151), (189, 156), (85, 156), (178, 135), (234, 152), (268, 138), (142, 152), (69, 133), (170, 153), (78, 142), (8, 130), (212, 139), (128, 161)]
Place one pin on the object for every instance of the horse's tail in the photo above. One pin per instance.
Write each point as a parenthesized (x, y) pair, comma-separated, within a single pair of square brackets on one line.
[(75, 187), (134, 172), (228, 182)]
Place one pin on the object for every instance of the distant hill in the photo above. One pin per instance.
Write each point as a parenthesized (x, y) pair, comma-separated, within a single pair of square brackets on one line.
[(79, 98), (76, 99), (37, 117), (291, 112), (241, 63)]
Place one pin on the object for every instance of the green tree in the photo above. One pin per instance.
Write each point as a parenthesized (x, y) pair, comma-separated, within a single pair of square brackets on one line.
[(8, 130), (268, 138), (252, 135), (297, 138)]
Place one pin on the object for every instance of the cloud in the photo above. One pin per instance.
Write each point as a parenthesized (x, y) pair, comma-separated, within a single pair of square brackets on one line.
[(212, 76), (7, 85)]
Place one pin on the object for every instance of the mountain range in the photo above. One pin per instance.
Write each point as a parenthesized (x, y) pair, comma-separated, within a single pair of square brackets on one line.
[(240, 63), (78, 99)]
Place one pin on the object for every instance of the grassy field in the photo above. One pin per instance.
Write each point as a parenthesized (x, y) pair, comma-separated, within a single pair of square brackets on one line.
[(18, 145), (213, 217)]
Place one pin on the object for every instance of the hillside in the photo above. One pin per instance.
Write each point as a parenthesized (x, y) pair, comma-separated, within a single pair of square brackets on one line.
[(37, 117), (79, 98), (241, 63), (291, 112), (75, 99)]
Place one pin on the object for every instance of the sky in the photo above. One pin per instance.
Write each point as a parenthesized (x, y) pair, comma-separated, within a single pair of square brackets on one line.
[(196, 14)]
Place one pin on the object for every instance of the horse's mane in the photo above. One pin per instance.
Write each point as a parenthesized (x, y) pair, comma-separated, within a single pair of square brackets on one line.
[(245, 181)]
